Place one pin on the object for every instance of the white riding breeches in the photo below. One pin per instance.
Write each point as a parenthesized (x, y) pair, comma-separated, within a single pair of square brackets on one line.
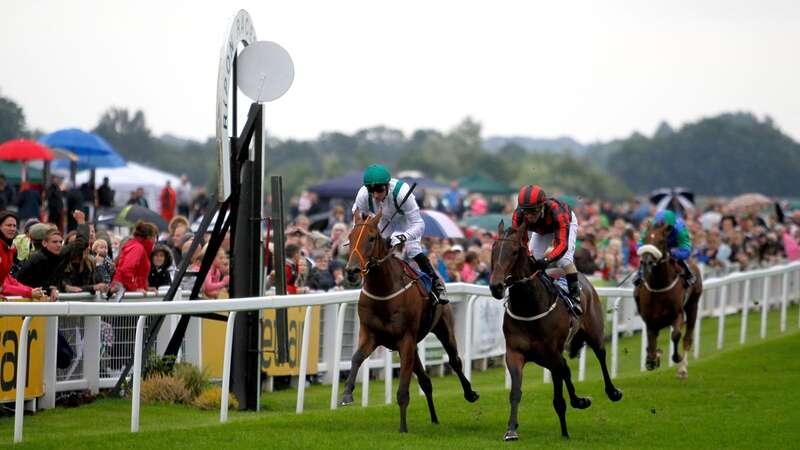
[(539, 244)]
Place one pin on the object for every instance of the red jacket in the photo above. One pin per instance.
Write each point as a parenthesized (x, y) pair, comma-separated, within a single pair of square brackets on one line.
[(134, 264), (168, 199), (10, 285), (555, 219)]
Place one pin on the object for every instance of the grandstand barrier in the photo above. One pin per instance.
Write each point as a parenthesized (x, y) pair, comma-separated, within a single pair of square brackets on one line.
[(478, 321)]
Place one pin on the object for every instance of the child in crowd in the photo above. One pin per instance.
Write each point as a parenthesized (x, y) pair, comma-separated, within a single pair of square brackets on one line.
[(215, 281), (103, 265)]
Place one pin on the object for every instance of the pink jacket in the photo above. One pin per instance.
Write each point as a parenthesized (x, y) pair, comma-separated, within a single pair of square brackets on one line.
[(214, 282)]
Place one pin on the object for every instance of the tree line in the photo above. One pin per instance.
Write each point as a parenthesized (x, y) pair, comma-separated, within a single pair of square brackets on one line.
[(723, 155)]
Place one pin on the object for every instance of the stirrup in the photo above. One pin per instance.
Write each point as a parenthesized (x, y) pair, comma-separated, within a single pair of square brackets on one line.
[(573, 305)]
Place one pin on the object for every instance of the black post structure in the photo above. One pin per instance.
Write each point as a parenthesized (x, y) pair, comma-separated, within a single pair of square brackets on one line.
[(279, 255)]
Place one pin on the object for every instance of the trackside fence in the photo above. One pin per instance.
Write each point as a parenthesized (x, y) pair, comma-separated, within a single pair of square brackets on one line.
[(478, 320)]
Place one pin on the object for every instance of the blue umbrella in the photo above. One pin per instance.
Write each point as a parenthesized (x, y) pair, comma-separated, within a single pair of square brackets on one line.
[(93, 151), (439, 225)]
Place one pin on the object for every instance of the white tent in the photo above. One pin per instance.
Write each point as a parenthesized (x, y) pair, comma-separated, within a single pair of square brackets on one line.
[(124, 180)]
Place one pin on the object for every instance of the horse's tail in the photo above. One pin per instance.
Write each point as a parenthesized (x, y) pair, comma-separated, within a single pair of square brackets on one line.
[(577, 342)]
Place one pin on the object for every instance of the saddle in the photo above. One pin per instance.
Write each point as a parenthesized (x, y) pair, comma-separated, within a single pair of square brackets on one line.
[(424, 286)]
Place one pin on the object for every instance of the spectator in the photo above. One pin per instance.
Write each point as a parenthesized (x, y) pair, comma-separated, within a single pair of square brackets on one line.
[(586, 256), (160, 265), (7, 195), (28, 202), (103, 265), (45, 267), (215, 281), (133, 266), (10, 286), (105, 195), (79, 274), (292, 268), (200, 202), (55, 203), (183, 195), (23, 244), (167, 198), (320, 278), (468, 272), (453, 200)]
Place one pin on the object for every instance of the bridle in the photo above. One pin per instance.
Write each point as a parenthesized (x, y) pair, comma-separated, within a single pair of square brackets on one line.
[(366, 263), (662, 259), (508, 281)]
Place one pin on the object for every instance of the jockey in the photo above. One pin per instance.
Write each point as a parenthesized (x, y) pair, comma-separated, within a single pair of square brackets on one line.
[(552, 222), (401, 213), (679, 244)]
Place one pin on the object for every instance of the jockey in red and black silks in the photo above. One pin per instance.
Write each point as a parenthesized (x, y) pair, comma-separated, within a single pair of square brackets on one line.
[(552, 223)]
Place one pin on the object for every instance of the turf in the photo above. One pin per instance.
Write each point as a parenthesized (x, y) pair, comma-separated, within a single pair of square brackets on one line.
[(741, 397)]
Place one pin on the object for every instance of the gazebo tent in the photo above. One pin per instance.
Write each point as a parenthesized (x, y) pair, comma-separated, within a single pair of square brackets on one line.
[(125, 179), (484, 185)]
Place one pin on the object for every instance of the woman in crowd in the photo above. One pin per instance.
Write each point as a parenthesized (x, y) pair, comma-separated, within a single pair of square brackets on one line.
[(160, 267), (134, 258), (10, 286)]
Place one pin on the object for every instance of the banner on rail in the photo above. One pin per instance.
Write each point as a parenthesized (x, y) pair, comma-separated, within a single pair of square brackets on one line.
[(214, 339), (9, 343)]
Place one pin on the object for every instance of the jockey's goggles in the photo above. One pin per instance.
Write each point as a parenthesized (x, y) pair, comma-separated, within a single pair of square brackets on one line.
[(371, 188), (535, 209)]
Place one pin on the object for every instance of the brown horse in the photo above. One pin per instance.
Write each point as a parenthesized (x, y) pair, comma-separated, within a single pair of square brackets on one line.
[(537, 326), (663, 299), (395, 312)]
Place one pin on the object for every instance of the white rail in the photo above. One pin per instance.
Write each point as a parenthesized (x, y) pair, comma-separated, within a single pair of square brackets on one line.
[(461, 293)]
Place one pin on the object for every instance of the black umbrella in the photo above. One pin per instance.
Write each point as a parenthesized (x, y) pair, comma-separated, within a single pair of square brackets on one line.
[(128, 215), (675, 199)]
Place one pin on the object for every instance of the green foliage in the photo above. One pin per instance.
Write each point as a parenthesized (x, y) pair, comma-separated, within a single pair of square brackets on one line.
[(211, 398), (193, 378), (156, 365), (724, 155), (12, 120), (165, 388)]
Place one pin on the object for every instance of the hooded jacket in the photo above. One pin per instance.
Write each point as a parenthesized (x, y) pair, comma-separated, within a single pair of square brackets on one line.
[(134, 264)]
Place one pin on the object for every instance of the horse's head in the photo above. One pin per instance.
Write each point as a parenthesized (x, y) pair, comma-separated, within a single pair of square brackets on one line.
[(654, 249), (506, 253), (366, 245)]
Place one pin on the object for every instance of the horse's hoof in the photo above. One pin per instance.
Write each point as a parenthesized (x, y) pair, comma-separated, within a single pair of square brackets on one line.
[(511, 436), (676, 358), (650, 365), (471, 396), (581, 402), (404, 429), (565, 437), (435, 421), (682, 374), (347, 400), (614, 395)]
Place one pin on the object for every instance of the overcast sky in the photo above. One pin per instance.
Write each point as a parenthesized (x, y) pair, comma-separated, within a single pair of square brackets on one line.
[(594, 70)]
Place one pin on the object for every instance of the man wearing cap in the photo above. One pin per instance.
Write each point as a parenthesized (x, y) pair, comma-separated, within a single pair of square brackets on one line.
[(552, 223), (401, 221)]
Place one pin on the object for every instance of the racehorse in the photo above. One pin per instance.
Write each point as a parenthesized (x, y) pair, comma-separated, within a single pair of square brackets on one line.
[(537, 326), (394, 311), (663, 299)]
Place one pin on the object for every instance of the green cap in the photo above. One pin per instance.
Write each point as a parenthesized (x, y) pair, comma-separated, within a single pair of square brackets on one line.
[(376, 174)]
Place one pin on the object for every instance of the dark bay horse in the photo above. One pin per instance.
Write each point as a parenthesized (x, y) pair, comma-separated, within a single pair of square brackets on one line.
[(395, 312), (537, 326), (663, 300)]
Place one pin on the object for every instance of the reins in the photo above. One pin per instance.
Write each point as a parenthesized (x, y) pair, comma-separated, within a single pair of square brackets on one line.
[(510, 283), (367, 264)]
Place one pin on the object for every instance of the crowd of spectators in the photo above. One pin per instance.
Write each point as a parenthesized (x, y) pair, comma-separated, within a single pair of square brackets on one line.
[(41, 260), (723, 239)]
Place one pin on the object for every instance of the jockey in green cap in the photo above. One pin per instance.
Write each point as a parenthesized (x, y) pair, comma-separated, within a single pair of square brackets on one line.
[(401, 219), (679, 244)]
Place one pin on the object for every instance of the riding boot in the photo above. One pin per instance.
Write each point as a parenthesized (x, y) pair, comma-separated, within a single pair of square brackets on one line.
[(688, 275), (574, 294), (438, 290)]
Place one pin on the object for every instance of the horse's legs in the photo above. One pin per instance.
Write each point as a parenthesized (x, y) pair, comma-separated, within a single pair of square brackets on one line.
[(688, 339), (676, 337), (558, 401), (426, 386), (444, 332), (515, 361), (366, 344), (599, 350), (653, 354), (408, 354), (574, 400)]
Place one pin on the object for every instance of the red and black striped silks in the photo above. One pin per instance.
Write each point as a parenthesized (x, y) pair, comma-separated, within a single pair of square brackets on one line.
[(555, 219)]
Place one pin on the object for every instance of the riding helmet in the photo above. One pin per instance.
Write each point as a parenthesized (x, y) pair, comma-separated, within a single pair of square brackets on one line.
[(530, 196), (376, 174)]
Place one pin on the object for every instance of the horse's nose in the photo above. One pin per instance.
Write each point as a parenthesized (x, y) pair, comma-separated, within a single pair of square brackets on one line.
[(497, 290), (352, 273)]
